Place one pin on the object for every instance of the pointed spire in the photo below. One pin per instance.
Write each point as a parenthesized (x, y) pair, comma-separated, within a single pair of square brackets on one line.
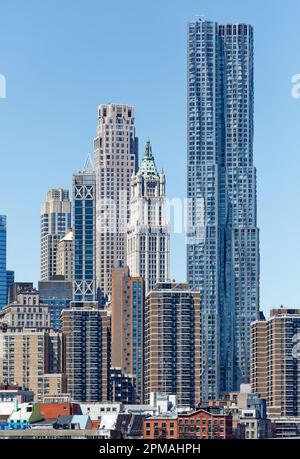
[(88, 165), (148, 166), (148, 150)]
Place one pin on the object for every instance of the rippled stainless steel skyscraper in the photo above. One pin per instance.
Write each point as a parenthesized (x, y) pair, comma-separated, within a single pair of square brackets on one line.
[(3, 273), (223, 238)]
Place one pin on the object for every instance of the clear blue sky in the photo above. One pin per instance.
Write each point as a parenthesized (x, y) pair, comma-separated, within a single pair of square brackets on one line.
[(63, 58)]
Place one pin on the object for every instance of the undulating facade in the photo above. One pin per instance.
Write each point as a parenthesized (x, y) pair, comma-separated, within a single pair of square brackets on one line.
[(115, 160), (222, 234), (55, 217), (3, 275), (148, 238)]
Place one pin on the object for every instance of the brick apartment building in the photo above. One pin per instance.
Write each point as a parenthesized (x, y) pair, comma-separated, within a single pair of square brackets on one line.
[(195, 425)]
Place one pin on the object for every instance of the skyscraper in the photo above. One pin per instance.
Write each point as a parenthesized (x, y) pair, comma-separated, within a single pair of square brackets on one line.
[(148, 235), (275, 364), (65, 257), (172, 347), (127, 326), (57, 295), (55, 224), (86, 332), (223, 238), (115, 160), (84, 234), (10, 279), (3, 275)]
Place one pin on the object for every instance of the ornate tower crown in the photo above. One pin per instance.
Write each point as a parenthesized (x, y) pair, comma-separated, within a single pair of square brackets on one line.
[(148, 167)]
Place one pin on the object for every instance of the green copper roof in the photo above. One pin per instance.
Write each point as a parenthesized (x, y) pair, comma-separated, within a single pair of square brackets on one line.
[(148, 167)]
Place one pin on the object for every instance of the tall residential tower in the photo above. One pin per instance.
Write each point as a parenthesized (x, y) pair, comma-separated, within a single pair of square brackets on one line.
[(115, 160), (3, 273), (223, 238), (55, 224), (275, 364), (127, 326), (172, 347), (86, 332)]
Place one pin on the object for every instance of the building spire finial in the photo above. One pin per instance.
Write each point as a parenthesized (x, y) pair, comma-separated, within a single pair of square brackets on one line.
[(148, 166), (88, 165), (148, 150)]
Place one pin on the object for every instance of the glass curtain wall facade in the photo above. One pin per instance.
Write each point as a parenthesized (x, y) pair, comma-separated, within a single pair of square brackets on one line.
[(84, 228), (10, 279), (223, 238), (137, 333), (57, 294), (127, 322)]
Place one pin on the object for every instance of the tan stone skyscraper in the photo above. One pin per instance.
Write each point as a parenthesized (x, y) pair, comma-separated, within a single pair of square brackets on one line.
[(115, 160), (64, 262), (55, 224)]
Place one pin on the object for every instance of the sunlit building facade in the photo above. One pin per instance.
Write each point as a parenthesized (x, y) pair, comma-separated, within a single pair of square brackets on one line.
[(86, 334), (172, 346), (3, 275), (84, 235), (127, 327), (55, 224), (148, 238), (223, 238), (115, 160)]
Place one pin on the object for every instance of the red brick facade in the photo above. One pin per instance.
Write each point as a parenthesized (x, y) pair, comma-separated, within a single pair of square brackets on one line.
[(196, 425), (161, 428)]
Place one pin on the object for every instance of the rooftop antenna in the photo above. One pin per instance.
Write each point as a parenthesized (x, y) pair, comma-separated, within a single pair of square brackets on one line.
[(88, 165)]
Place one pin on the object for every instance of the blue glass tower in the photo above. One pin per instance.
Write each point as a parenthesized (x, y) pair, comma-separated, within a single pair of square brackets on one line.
[(3, 275), (10, 279), (223, 238), (57, 294), (84, 227), (137, 326), (127, 325)]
